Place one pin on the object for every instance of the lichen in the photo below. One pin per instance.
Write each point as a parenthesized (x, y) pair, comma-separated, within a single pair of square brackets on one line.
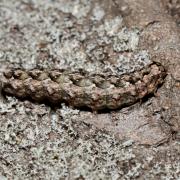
[(42, 142)]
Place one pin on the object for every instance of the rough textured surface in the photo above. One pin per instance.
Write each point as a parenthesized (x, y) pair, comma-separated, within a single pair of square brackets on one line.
[(95, 91), (120, 36), (173, 8)]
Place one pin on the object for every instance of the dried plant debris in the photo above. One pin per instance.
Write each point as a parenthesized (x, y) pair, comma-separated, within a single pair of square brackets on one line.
[(81, 89)]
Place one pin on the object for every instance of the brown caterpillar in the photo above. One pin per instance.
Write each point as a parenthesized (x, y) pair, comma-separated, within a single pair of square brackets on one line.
[(95, 91)]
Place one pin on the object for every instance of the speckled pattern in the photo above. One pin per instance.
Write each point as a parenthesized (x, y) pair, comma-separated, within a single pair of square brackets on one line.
[(72, 44), (38, 141), (59, 36)]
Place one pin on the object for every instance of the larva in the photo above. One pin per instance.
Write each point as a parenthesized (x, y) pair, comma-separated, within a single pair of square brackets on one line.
[(95, 91)]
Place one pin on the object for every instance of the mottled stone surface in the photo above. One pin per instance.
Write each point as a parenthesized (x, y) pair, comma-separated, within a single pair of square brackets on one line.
[(42, 142)]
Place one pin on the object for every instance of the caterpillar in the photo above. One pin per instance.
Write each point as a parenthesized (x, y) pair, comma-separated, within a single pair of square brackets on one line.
[(82, 89)]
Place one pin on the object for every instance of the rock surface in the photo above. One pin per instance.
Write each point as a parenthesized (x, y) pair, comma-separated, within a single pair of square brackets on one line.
[(140, 141)]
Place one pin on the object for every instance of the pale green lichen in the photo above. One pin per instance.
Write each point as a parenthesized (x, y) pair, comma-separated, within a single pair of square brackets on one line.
[(37, 142), (46, 144), (126, 40)]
